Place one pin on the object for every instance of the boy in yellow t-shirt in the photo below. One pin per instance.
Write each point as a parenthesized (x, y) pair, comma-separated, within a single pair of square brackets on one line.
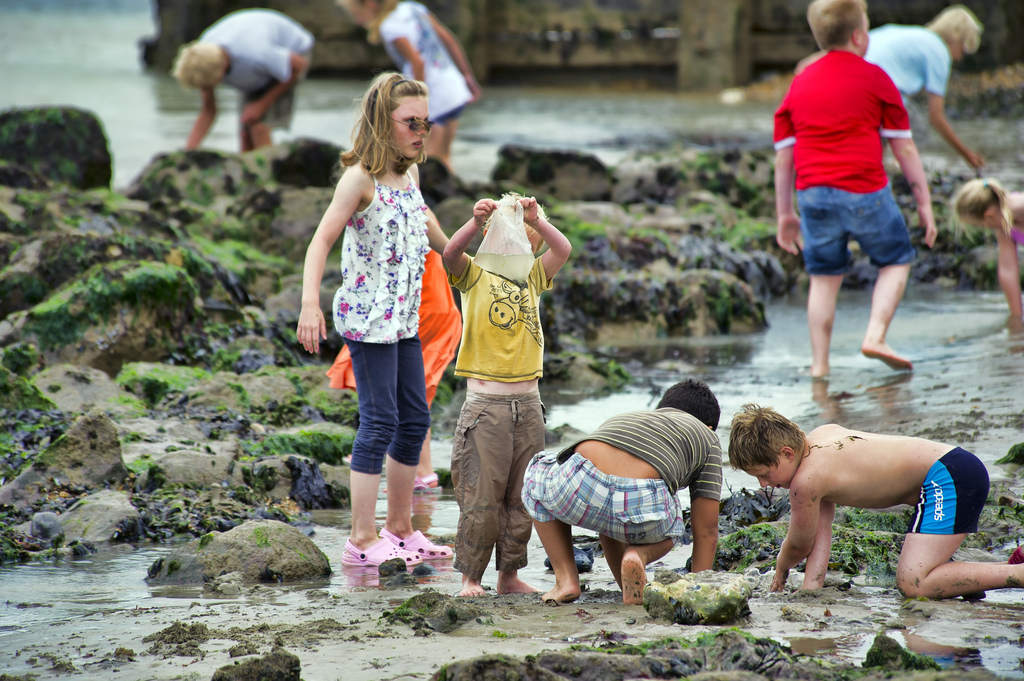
[(501, 425)]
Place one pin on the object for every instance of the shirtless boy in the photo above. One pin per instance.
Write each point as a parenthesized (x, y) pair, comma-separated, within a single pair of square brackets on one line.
[(834, 465)]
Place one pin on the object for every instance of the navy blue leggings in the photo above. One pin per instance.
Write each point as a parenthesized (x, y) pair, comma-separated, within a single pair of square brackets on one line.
[(393, 413)]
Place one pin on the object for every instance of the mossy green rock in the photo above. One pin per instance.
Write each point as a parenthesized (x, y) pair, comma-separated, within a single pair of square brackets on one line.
[(702, 598), (199, 176), (565, 175), (17, 393), (439, 612), (323, 442), (114, 312), (888, 654), (262, 550), (153, 382), (63, 144), (1014, 455)]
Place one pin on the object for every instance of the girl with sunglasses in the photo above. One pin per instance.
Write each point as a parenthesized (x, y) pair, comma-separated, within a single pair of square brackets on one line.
[(424, 49), (388, 231)]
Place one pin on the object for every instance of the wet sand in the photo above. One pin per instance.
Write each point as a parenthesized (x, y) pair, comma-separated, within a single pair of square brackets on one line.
[(965, 390)]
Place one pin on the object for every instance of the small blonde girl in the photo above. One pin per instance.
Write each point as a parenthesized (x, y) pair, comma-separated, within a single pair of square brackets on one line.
[(388, 230), (986, 203)]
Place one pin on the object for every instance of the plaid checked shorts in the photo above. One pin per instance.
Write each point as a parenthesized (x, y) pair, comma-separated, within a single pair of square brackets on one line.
[(629, 510)]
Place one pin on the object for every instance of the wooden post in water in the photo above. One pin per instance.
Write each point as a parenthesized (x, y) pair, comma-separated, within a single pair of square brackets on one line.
[(714, 44)]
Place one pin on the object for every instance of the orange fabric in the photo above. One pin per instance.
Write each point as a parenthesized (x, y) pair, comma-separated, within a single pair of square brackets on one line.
[(440, 331)]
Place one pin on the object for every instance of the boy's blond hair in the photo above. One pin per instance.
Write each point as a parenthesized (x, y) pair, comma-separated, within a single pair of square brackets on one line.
[(384, 8), (373, 139), (976, 196), (833, 22), (199, 65), (957, 24), (758, 435)]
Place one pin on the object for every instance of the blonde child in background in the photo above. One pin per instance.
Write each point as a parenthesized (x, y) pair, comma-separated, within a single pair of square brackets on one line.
[(501, 424), (388, 230), (985, 203), (424, 49)]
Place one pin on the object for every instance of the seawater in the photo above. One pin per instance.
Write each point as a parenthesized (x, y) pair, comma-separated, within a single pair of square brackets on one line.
[(91, 60), (514, 267)]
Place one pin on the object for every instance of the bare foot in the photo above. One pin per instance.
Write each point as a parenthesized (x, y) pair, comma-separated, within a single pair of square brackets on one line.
[(819, 372), (471, 587), (887, 355), (634, 577), (562, 594), (509, 583)]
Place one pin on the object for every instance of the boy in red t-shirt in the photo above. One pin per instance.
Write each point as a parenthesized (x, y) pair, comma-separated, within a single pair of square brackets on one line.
[(827, 142)]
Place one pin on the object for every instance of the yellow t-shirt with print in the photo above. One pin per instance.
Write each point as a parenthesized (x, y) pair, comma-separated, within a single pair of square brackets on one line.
[(501, 335)]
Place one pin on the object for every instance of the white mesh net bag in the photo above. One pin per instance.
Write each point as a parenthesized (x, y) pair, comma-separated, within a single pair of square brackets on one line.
[(505, 249)]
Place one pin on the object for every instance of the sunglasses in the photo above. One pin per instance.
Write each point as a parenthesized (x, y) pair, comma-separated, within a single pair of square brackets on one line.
[(416, 125)]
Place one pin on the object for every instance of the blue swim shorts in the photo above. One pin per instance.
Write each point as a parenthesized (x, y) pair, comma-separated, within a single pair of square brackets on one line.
[(629, 510), (829, 218), (952, 496), (448, 116)]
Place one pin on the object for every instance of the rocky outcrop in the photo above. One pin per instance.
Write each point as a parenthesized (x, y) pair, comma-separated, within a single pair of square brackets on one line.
[(702, 598), (562, 175), (61, 144), (262, 550), (88, 455)]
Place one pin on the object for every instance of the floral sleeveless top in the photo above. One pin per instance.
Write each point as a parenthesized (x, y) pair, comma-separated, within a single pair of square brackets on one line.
[(382, 259)]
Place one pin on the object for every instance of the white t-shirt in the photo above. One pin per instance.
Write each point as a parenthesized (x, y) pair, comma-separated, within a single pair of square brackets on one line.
[(411, 20), (915, 58), (260, 43)]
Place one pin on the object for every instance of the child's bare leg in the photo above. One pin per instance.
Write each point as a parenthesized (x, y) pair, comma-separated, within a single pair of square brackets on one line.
[(556, 537), (926, 571), (471, 587), (628, 563), (509, 583), (439, 143), (425, 468), (821, 313), (613, 552), (886, 297)]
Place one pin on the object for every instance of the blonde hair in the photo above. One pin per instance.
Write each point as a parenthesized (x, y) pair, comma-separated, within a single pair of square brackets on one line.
[(758, 435), (373, 139), (384, 8), (957, 24), (199, 65), (976, 196), (833, 22)]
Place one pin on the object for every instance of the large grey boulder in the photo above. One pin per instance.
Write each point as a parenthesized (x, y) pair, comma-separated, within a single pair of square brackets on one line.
[(701, 598), (88, 455), (76, 389), (262, 550), (97, 517)]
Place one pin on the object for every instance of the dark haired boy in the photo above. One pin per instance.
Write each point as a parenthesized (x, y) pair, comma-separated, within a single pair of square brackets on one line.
[(621, 482)]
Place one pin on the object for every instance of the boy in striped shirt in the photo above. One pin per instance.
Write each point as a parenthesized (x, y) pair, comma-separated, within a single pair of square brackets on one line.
[(621, 482)]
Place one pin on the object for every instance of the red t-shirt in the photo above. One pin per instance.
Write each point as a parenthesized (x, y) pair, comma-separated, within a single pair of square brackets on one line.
[(835, 113)]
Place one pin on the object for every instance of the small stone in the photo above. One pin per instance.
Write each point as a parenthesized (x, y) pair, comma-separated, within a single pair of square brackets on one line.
[(424, 570), (392, 567), (402, 579)]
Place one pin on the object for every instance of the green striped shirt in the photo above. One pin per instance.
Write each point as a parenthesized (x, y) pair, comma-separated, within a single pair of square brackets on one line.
[(682, 449)]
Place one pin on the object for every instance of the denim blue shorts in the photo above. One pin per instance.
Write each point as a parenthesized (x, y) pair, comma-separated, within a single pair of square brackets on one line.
[(448, 116), (952, 496), (830, 217)]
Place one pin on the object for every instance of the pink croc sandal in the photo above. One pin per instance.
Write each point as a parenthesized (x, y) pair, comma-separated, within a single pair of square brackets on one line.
[(426, 482), (378, 553), (418, 544), (1017, 557)]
